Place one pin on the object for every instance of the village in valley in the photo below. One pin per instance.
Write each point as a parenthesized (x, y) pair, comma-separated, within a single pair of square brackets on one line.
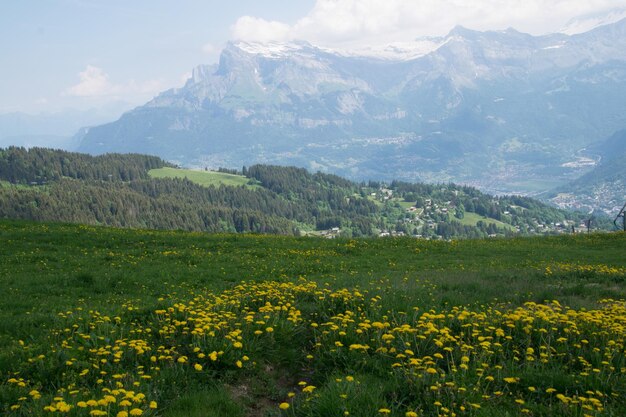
[(426, 217)]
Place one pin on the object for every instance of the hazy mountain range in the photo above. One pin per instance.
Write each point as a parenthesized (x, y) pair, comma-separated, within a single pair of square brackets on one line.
[(502, 110), (53, 129)]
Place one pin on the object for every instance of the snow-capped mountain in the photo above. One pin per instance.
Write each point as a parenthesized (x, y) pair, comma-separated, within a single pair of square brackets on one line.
[(503, 110)]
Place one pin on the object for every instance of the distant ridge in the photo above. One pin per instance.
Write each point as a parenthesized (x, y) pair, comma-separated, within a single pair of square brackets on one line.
[(146, 192)]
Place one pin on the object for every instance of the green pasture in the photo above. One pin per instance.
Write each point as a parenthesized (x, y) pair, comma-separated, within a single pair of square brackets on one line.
[(205, 178), (58, 282)]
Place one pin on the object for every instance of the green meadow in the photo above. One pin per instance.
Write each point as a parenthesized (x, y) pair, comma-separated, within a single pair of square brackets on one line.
[(471, 219), (205, 178), (119, 322)]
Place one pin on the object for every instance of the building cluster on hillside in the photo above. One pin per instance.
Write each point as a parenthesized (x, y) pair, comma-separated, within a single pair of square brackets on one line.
[(595, 201), (423, 221), (448, 213), (331, 233)]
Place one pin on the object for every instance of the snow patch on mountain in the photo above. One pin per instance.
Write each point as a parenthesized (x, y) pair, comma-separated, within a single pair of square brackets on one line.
[(274, 50), (397, 51), (589, 22)]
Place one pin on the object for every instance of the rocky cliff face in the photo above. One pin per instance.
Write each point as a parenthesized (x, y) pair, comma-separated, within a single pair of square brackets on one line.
[(505, 111)]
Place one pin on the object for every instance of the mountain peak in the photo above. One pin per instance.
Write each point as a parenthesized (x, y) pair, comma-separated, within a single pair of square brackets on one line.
[(463, 32), (270, 49)]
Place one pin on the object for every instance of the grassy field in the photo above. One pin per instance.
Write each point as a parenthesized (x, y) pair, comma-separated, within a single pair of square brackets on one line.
[(205, 178), (6, 184), (471, 219), (118, 322)]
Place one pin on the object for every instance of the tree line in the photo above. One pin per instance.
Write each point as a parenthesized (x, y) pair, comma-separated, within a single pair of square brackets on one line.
[(41, 165), (117, 190)]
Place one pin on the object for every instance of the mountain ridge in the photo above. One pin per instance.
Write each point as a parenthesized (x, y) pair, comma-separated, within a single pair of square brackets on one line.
[(498, 110)]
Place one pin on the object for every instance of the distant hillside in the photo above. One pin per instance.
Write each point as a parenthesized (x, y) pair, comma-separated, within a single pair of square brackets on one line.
[(55, 129), (611, 148), (122, 191), (48, 141), (605, 186)]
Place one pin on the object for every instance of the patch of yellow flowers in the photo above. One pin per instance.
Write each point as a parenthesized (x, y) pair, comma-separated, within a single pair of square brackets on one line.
[(584, 269), (454, 362)]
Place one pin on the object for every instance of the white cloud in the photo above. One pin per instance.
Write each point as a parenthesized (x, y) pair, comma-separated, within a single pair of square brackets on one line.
[(333, 22), (94, 83)]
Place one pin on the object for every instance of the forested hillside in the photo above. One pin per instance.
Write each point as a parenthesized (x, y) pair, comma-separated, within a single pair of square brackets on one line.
[(118, 190), (40, 165)]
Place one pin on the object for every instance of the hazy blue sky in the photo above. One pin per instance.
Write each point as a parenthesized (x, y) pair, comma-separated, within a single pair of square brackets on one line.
[(78, 54), (139, 46)]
